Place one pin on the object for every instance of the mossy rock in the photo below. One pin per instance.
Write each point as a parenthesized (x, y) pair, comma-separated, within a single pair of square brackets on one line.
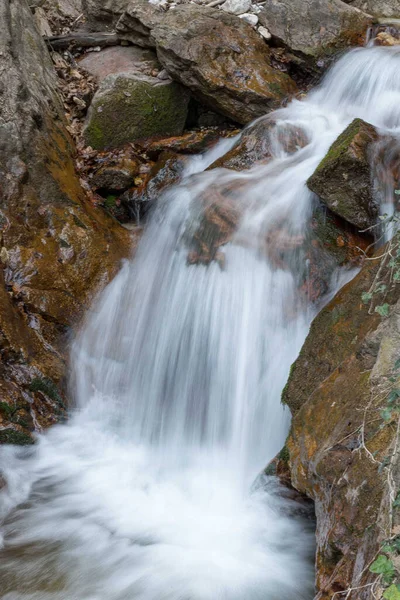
[(343, 179), (130, 107), (13, 436)]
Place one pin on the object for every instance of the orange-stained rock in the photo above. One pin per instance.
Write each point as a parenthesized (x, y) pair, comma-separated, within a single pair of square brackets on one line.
[(56, 249), (339, 442)]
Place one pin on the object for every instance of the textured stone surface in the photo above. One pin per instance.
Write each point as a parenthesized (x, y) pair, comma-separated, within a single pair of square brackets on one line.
[(216, 55), (343, 179), (339, 441), (130, 107), (378, 8), (236, 7), (57, 250), (119, 59), (314, 27)]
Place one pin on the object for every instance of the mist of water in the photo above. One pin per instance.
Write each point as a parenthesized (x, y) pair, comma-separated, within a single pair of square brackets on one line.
[(147, 492)]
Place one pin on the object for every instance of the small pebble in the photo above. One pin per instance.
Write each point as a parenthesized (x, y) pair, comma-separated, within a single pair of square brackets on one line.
[(264, 32), (249, 18), (236, 7)]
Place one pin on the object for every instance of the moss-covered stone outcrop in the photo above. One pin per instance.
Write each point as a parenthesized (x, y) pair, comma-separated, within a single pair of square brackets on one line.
[(340, 445), (129, 107), (343, 179)]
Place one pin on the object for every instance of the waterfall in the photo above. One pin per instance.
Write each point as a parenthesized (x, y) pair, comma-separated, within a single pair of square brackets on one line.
[(147, 492)]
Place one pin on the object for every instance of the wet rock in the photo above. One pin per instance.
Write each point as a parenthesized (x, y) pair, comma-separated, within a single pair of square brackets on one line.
[(339, 440), (193, 142), (220, 216), (314, 28), (225, 64), (386, 39), (116, 177), (236, 7), (136, 203), (57, 249), (343, 179), (258, 142)]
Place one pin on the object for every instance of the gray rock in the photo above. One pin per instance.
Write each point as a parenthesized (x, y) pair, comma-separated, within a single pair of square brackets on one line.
[(378, 8), (132, 101), (120, 59), (216, 55), (103, 14), (343, 180), (250, 18), (236, 7), (132, 106), (315, 27), (264, 32)]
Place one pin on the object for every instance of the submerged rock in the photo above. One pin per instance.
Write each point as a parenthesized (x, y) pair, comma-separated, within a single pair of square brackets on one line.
[(131, 103), (258, 143), (57, 249), (216, 55), (343, 180)]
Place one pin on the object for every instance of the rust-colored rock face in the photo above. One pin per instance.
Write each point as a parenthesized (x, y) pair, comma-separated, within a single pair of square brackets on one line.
[(340, 446), (57, 249)]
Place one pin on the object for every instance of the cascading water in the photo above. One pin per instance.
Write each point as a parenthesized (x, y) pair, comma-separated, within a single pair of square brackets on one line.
[(146, 493)]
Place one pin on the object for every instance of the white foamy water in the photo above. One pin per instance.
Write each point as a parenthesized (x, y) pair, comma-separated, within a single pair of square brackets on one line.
[(147, 492)]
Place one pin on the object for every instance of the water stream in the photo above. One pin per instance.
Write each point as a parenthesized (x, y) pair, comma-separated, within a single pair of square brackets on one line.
[(147, 493)]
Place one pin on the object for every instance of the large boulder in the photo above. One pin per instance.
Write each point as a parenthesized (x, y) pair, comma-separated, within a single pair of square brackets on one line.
[(102, 15), (218, 56), (314, 28), (343, 180), (132, 103), (342, 445), (378, 8), (57, 249)]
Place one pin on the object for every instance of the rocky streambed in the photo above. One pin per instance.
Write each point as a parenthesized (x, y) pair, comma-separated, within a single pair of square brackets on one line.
[(104, 104)]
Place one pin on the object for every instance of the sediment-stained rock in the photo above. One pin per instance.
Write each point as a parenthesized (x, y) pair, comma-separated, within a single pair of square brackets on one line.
[(341, 443), (57, 249)]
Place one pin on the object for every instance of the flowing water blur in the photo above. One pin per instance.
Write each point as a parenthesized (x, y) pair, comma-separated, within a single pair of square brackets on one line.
[(147, 492)]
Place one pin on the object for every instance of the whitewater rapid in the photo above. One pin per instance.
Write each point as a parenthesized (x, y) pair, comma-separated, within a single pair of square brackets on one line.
[(148, 491)]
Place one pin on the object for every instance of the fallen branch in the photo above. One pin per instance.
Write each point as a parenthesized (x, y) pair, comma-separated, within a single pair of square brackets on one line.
[(83, 39)]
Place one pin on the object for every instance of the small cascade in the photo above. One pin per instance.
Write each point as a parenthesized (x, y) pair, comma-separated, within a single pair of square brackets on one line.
[(147, 492)]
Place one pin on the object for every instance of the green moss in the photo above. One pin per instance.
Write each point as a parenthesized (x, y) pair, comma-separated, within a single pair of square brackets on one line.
[(271, 469), (284, 454), (78, 222), (6, 409), (340, 145), (285, 389), (10, 436), (47, 387), (126, 109), (109, 202)]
